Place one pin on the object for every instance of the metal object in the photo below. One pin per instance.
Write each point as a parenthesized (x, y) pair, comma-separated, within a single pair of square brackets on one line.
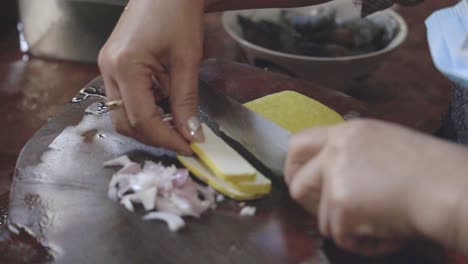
[(67, 29), (262, 138)]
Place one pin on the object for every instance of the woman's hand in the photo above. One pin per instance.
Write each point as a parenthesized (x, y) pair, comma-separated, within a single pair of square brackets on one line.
[(375, 184), (156, 40), (162, 40)]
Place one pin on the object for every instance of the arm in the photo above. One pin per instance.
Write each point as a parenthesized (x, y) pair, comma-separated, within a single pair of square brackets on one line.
[(369, 179), (440, 208)]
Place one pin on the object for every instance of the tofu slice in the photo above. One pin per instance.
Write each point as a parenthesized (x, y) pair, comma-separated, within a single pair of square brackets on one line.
[(261, 185), (204, 174), (294, 111), (221, 159)]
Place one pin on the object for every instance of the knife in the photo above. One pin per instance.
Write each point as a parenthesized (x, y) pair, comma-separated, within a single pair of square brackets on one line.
[(265, 140)]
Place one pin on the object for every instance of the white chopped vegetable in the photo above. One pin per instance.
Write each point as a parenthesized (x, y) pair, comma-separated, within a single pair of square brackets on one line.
[(248, 211), (174, 221), (169, 190), (112, 194), (120, 161), (219, 198), (147, 198), (127, 203)]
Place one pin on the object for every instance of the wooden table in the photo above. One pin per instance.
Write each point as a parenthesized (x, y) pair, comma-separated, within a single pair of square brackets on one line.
[(33, 90)]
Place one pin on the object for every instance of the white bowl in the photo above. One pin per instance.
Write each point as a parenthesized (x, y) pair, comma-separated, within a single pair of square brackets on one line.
[(334, 72)]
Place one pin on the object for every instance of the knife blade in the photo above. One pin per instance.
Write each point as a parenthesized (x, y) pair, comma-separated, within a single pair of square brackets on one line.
[(265, 140)]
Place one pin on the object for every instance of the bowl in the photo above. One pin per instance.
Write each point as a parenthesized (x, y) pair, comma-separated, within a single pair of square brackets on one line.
[(334, 72)]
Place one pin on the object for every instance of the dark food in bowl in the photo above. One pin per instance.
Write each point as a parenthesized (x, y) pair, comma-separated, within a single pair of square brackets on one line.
[(317, 35)]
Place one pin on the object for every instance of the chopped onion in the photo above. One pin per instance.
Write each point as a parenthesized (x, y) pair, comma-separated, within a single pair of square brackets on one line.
[(130, 169), (174, 221), (169, 190), (219, 198), (248, 211), (147, 198), (120, 161), (127, 203)]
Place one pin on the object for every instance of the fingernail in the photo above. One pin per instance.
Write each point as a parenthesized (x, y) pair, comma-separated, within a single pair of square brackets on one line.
[(195, 129)]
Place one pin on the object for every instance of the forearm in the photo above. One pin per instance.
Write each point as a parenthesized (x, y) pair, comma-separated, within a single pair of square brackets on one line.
[(221, 5), (460, 238), (441, 210), (452, 232)]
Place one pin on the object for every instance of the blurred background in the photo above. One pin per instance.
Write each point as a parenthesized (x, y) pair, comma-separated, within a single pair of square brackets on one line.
[(8, 16)]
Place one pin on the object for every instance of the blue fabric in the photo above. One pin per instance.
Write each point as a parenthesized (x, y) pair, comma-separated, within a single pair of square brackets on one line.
[(447, 30)]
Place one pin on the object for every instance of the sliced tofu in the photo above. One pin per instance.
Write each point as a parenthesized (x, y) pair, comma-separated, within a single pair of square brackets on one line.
[(226, 171), (204, 174), (221, 159), (294, 111), (261, 185)]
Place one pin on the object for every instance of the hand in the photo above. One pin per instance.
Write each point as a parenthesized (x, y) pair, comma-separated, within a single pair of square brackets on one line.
[(374, 184), (162, 40)]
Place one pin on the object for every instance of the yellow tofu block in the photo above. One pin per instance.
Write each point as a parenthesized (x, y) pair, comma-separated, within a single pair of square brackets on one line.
[(221, 159), (226, 171), (260, 185), (199, 170), (294, 111)]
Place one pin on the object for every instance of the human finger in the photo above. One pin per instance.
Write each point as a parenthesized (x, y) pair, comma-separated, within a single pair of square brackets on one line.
[(118, 115), (184, 99), (143, 113), (305, 186), (302, 147)]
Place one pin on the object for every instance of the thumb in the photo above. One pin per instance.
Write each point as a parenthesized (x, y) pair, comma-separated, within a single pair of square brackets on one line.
[(184, 99)]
